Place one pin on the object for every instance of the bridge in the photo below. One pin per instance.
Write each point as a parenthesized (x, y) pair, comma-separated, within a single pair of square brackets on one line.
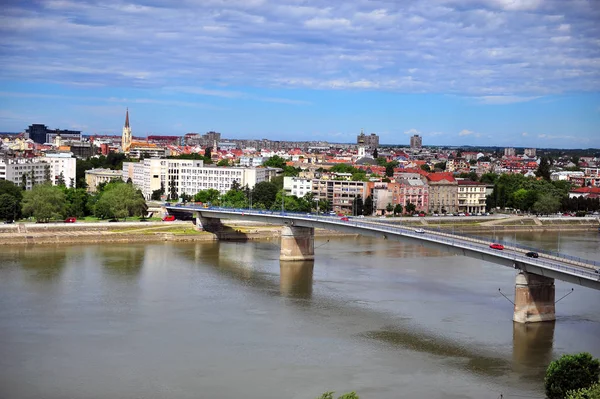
[(534, 286)]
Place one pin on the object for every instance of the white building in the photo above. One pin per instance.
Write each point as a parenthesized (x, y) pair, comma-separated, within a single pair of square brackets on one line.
[(251, 161), (95, 177), (188, 176), (36, 170), (565, 175), (297, 186), (61, 163)]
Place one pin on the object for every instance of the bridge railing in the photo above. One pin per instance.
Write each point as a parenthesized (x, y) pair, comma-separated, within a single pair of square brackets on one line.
[(399, 229)]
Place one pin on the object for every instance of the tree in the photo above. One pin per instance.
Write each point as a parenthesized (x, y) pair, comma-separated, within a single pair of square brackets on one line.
[(32, 178), (489, 178), (389, 170), (207, 196), (546, 204), (375, 153), (441, 166), (592, 392), (77, 200), (264, 193), (10, 188), (426, 168), (61, 180), (349, 395), (389, 208), (234, 198), (571, 372), (368, 207), (44, 202), (275, 162), (47, 176), (208, 153), (543, 169), (172, 190), (410, 208), (398, 209), (24, 181), (120, 200), (357, 205), (223, 162), (8, 207)]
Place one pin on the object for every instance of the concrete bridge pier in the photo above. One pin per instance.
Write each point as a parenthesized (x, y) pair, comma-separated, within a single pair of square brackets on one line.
[(297, 243), (296, 278), (212, 225), (534, 298)]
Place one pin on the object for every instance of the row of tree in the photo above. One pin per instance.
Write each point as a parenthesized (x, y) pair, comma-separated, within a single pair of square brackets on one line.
[(45, 202)]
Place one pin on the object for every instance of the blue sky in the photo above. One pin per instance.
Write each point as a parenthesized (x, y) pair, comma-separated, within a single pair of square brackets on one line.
[(458, 72)]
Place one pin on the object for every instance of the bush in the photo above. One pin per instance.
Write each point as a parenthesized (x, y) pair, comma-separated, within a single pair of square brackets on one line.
[(569, 373), (592, 392)]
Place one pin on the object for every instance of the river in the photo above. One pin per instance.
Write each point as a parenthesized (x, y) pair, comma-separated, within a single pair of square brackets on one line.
[(228, 320)]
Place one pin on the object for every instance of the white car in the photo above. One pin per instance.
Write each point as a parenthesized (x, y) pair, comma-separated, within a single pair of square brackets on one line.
[(420, 231), (361, 216)]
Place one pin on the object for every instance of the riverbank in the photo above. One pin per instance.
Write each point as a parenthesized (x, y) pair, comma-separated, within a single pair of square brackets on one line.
[(239, 230)]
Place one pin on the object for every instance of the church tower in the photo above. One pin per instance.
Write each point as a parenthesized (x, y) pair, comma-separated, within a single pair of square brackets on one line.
[(126, 136)]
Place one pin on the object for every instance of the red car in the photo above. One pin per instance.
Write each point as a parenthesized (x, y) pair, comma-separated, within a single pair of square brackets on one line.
[(496, 246), (169, 218), (70, 220), (344, 219)]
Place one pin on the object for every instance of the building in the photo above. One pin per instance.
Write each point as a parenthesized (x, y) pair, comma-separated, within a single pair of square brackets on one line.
[(188, 176), (414, 191), (457, 164), (443, 190), (340, 193), (24, 172), (471, 196), (297, 186), (369, 141), (530, 152), (509, 152), (94, 177), (251, 161), (126, 135), (416, 142), (62, 165), (139, 149), (585, 192), (41, 134)]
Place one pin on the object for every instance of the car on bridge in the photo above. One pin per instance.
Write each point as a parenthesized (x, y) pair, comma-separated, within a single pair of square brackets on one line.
[(496, 246), (345, 219), (420, 231), (532, 254)]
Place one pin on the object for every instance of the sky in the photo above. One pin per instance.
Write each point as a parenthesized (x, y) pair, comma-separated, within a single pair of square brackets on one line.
[(522, 73)]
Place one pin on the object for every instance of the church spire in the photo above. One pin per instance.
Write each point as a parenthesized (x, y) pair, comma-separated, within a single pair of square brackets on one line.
[(127, 118)]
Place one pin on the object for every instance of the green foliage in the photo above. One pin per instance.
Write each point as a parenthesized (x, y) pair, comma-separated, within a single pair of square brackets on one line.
[(349, 395), (264, 193), (9, 207), (359, 176), (368, 206), (471, 176), (44, 202), (61, 180), (357, 206), (47, 174), (571, 372), (398, 209), (592, 392), (234, 199), (375, 153), (546, 204), (223, 162), (543, 170), (426, 168), (120, 200), (389, 208), (410, 208), (381, 161), (389, 170), (292, 203), (343, 168), (77, 201), (489, 178), (205, 196), (441, 166), (275, 162), (10, 188)]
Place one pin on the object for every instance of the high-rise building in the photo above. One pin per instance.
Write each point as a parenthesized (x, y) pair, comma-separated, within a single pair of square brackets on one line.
[(41, 134), (126, 136), (416, 141), (509, 152), (530, 152), (368, 141)]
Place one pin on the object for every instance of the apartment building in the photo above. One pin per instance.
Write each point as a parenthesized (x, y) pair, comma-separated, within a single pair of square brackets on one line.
[(471, 196), (23, 171), (251, 161), (297, 186), (443, 191), (414, 191), (188, 176), (94, 177), (61, 164), (340, 193)]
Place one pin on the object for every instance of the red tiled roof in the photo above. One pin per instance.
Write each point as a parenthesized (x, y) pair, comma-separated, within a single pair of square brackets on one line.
[(439, 176)]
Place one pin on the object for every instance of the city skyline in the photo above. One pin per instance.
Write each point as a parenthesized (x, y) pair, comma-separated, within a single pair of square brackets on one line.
[(504, 73)]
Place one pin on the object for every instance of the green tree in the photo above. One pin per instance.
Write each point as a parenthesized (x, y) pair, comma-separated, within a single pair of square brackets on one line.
[(24, 181), (44, 202), (77, 199), (208, 153), (61, 180), (441, 166), (368, 207), (389, 208), (410, 208), (349, 395), (235, 199), (343, 168), (8, 207), (546, 204), (375, 153), (10, 188), (398, 209), (32, 174), (592, 392), (543, 169), (47, 174), (265, 194), (571, 372), (173, 190), (223, 162), (426, 168), (389, 170), (357, 205), (488, 178), (275, 162), (120, 200), (207, 196)]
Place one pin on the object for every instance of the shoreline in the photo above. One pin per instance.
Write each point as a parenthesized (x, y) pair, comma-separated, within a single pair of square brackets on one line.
[(234, 230)]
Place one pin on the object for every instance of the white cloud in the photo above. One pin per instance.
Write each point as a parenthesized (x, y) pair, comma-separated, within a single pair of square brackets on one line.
[(411, 132), (466, 132), (524, 134), (505, 99)]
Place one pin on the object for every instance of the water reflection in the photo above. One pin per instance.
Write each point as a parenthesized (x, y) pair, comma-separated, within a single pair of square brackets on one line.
[(123, 260), (296, 279), (532, 348), (41, 262)]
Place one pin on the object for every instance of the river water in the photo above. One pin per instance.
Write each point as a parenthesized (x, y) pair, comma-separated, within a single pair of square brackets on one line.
[(228, 320)]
